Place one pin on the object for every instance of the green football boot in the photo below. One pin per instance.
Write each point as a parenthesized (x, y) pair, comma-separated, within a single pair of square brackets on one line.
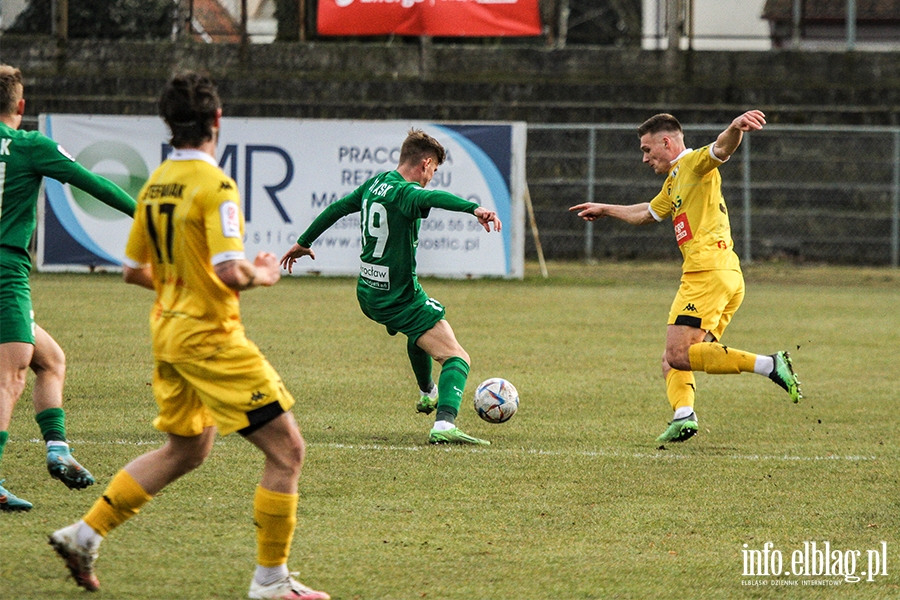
[(680, 430), (63, 466), (11, 503), (454, 436), (783, 374), (427, 401)]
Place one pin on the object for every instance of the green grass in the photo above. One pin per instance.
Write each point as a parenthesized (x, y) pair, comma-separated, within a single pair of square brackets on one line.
[(573, 500)]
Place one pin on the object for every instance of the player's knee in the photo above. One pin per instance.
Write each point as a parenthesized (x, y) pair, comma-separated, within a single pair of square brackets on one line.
[(50, 363), (56, 367), (12, 387), (289, 459), (189, 463), (677, 358)]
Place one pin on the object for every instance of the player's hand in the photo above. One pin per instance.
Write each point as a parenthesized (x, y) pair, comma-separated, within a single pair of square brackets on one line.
[(589, 211), (752, 120), (486, 217), (267, 269), (294, 254)]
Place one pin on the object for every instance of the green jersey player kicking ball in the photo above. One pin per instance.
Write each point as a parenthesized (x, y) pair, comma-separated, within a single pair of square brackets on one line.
[(392, 206)]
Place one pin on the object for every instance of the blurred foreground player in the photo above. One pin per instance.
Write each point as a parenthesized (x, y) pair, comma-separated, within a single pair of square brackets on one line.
[(186, 244), (26, 157)]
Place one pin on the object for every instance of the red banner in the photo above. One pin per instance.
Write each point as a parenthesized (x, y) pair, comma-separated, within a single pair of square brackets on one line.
[(439, 18)]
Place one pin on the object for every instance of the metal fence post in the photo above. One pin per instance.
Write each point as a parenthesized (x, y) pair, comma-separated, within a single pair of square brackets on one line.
[(745, 156), (895, 204), (589, 225), (851, 24)]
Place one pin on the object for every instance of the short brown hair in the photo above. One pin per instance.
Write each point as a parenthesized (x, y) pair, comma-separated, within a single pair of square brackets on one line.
[(659, 123), (418, 145), (11, 88), (188, 104)]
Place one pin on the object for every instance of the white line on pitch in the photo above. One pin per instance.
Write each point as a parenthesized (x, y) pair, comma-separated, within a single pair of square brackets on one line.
[(530, 451)]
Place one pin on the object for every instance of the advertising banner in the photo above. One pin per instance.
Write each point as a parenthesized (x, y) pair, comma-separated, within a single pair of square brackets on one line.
[(441, 18), (288, 171)]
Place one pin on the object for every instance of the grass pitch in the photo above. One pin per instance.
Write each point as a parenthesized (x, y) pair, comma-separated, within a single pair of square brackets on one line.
[(574, 499)]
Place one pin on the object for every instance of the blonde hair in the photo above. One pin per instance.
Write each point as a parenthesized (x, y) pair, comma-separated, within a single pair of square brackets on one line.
[(11, 89), (418, 145)]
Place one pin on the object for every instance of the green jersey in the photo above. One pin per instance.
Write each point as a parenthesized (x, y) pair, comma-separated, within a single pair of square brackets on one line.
[(391, 211), (26, 157)]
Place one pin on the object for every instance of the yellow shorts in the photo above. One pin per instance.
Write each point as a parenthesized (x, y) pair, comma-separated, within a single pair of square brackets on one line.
[(219, 390), (708, 300)]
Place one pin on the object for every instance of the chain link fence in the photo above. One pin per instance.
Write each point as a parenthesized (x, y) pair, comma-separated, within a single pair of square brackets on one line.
[(822, 194), (800, 193)]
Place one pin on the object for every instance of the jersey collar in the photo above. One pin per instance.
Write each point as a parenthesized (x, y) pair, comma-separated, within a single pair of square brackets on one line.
[(673, 166), (192, 154)]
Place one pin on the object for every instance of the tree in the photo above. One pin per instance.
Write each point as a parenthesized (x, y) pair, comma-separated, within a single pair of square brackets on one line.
[(102, 19)]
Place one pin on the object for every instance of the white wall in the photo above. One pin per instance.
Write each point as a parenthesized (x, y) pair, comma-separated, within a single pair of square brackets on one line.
[(9, 10), (718, 25)]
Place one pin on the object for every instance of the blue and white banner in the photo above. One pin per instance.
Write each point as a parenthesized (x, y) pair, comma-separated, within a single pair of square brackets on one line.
[(288, 171)]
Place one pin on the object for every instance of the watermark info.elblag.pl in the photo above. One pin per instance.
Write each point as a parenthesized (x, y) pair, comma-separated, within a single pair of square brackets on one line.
[(813, 563)]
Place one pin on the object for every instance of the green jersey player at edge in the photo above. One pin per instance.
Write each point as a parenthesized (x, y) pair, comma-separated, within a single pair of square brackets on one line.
[(392, 205), (26, 157)]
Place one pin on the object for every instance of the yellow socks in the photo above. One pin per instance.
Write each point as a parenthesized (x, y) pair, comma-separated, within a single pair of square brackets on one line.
[(716, 359), (680, 388), (122, 499), (275, 516)]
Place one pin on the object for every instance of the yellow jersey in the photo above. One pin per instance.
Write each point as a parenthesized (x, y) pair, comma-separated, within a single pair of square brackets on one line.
[(692, 196), (188, 220)]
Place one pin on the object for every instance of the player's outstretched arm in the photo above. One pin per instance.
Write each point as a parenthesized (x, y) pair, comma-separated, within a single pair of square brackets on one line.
[(141, 276), (241, 274), (294, 254), (729, 140), (103, 189), (486, 217), (635, 214)]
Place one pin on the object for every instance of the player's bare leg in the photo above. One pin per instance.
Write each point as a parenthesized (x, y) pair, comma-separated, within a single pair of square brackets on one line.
[(14, 360), (49, 366), (275, 510)]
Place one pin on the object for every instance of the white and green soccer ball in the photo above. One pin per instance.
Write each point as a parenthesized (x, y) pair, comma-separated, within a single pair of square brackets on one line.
[(496, 400)]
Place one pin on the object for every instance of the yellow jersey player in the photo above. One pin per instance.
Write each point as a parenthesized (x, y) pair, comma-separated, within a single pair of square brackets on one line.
[(186, 244), (712, 285)]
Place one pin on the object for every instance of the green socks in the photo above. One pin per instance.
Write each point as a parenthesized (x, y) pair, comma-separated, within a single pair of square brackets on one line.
[(4, 437), (52, 422), (451, 384), (421, 365)]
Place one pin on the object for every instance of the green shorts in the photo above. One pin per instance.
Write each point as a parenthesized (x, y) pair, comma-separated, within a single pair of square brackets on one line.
[(16, 311), (412, 320)]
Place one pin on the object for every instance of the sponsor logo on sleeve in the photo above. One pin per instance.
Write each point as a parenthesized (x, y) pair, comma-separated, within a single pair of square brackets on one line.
[(65, 152), (231, 220)]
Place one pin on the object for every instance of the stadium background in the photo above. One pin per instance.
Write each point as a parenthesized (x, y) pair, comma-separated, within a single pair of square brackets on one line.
[(821, 184)]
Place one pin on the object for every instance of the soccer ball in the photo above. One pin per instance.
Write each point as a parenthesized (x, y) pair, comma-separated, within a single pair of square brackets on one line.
[(496, 400)]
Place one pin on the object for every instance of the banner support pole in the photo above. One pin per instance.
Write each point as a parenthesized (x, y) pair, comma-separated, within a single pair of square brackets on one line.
[(534, 232)]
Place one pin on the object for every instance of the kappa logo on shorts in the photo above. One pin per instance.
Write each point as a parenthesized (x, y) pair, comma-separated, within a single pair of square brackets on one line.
[(689, 308), (257, 397)]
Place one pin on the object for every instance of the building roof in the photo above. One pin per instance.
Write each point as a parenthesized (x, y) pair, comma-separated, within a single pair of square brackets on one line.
[(213, 23), (833, 10)]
